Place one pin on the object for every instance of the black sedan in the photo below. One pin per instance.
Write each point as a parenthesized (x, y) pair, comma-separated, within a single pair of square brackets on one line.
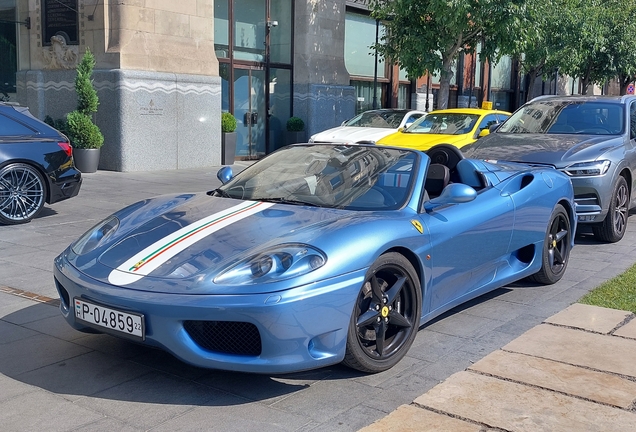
[(36, 166)]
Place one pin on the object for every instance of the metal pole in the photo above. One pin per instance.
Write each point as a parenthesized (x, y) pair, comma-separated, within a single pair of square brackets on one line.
[(375, 72), (428, 89)]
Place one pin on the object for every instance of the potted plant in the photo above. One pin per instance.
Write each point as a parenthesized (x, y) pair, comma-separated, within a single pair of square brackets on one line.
[(295, 130), (228, 138), (84, 134)]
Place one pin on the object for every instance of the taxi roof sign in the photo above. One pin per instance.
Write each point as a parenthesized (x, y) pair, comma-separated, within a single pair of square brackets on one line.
[(487, 105)]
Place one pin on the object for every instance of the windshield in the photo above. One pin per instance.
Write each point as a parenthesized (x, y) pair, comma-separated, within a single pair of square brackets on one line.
[(444, 124), (353, 177), (566, 117), (378, 119)]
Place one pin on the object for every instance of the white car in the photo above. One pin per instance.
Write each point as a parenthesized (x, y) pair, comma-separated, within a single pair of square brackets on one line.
[(368, 126)]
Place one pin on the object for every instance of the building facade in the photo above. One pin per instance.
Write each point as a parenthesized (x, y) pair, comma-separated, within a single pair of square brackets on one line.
[(166, 70)]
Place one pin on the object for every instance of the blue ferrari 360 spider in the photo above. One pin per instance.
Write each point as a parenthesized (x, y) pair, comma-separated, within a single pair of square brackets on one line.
[(315, 255)]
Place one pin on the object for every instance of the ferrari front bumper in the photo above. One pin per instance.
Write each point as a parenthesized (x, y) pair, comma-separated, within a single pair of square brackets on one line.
[(303, 327)]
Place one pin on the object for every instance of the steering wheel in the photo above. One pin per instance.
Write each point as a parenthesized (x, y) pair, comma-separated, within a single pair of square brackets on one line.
[(445, 154)]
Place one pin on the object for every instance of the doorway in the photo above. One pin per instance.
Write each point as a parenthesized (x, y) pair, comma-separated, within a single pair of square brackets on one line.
[(250, 112)]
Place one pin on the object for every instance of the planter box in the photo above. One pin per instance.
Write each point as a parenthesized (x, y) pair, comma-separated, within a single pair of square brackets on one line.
[(228, 147), (86, 160), (295, 137)]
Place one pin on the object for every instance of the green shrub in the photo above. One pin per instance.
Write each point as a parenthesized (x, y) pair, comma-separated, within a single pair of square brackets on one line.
[(87, 101), (295, 124), (228, 122), (59, 124), (82, 132)]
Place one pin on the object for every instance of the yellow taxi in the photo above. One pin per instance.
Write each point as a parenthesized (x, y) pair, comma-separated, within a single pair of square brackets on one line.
[(455, 126)]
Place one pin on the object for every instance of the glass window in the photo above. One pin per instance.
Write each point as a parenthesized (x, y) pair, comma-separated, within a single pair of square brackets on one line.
[(359, 36), (8, 48), (403, 96), (556, 117), (224, 72), (364, 93), (249, 30), (501, 74), (280, 35), (632, 120), (221, 29), (444, 124)]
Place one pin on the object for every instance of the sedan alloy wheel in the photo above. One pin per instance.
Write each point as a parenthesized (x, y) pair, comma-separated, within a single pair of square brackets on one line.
[(22, 193)]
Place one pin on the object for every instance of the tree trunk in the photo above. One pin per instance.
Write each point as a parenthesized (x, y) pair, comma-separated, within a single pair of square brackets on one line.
[(444, 84), (532, 77)]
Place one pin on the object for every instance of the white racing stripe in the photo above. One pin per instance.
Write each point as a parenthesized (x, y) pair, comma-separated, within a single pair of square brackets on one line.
[(152, 257)]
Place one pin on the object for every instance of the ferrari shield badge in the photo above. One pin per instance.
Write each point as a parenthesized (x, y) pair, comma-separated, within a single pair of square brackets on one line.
[(418, 226)]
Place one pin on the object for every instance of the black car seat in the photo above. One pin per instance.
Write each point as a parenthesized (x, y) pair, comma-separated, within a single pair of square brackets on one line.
[(437, 179)]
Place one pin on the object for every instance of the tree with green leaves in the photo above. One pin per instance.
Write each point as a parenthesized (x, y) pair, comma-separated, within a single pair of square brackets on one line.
[(428, 35), (81, 129), (621, 41)]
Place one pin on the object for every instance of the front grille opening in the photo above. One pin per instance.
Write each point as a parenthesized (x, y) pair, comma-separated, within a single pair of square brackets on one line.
[(63, 294), (228, 337)]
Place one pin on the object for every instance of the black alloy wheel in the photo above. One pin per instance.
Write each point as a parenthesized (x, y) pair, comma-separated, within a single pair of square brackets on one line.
[(386, 315), (556, 248), (613, 227), (22, 193)]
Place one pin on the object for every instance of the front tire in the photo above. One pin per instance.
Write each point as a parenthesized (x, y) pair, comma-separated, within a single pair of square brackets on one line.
[(22, 193), (556, 248), (613, 227), (386, 315)]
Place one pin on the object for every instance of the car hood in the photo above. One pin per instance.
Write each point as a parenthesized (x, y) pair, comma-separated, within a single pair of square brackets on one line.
[(194, 237), (422, 141), (558, 150), (350, 134)]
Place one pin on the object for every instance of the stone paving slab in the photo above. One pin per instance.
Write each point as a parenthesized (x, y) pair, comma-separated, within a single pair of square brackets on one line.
[(585, 383), (520, 408), (409, 418), (628, 330), (576, 347), (592, 318)]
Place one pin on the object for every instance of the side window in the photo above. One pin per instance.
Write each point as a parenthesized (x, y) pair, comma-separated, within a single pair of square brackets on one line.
[(411, 119), (485, 123), (502, 118), (632, 121), (10, 127)]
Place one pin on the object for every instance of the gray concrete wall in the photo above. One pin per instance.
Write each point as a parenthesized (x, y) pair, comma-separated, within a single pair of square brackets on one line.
[(150, 121)]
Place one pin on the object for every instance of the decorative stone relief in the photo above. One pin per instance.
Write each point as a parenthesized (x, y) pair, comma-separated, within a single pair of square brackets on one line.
[(60, 55)]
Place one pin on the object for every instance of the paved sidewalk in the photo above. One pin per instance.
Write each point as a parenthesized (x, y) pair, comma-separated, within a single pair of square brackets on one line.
[(574, 372), (53, 378)]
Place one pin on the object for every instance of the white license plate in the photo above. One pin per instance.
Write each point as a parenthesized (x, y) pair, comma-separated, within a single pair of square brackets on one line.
[(125, 323)]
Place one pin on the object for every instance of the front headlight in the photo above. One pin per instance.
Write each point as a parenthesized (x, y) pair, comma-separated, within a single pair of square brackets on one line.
[(96, 236), (273, 265), (586, 169)]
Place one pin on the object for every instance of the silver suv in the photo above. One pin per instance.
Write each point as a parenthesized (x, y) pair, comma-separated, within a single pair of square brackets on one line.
[(590, 138)]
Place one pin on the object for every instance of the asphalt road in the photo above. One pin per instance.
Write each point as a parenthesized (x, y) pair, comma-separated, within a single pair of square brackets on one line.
[(54, 378)]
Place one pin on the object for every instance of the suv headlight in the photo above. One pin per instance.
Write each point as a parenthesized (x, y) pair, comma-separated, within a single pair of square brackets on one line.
[(272, 265), (585, 169)]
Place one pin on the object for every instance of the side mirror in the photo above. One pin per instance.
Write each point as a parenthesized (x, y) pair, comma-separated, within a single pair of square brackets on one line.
[(225, 174), (454, 193), (483, 133), (493, 127)]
